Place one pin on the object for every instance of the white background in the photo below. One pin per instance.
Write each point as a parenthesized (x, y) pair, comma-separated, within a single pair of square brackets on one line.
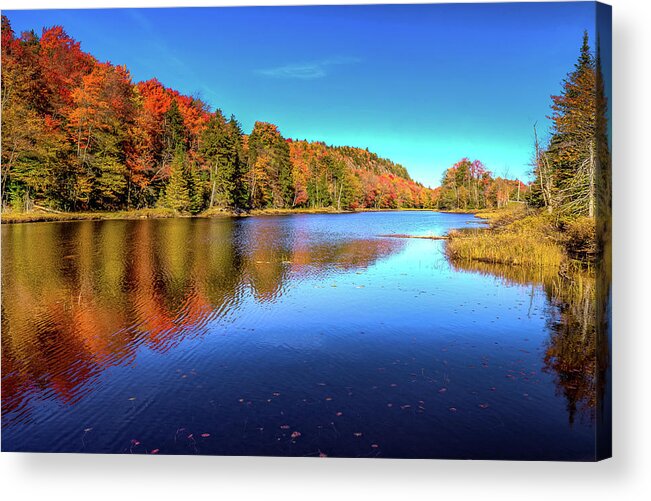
[(626, 476)]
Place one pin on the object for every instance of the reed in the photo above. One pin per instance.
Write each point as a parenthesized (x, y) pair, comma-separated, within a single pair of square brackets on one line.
[(516, 236), (504, 248)]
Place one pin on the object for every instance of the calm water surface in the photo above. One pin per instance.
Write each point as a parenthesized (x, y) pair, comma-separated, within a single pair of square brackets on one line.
[(299, 335)]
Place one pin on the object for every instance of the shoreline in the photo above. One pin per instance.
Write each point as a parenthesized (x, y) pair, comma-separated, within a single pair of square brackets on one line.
[(528, 238), (43, 217)]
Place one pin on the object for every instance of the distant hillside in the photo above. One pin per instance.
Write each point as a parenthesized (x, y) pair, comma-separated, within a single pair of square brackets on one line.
[(343, 176)]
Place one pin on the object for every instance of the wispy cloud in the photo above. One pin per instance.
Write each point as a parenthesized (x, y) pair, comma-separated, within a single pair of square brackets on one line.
[(307, 70), (153, 45)]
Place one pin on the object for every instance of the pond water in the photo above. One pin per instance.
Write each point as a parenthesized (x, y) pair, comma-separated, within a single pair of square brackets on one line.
[(301, 335)]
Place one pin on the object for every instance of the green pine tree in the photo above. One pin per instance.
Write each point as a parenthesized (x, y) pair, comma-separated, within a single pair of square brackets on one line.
[(196, 190), (219, 151), (572, 152), (177, 193), (240, 196), (174, 132)]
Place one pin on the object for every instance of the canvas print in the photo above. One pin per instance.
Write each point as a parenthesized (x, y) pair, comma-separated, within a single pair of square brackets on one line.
[(370, 231)]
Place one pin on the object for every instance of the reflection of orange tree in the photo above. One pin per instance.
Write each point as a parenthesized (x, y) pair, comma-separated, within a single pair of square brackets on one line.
[(575, 333), (89, 294), (268, 252), (347, 255)]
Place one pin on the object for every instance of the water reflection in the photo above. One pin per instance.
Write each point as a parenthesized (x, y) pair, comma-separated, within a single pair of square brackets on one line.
[(577, 350), (244, 332), (79, 298)]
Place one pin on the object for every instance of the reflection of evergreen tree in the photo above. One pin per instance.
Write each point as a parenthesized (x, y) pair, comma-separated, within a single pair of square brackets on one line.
[(571, 352), (575, 349)]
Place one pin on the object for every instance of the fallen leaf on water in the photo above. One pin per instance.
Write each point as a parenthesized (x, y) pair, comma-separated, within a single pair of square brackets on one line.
[(339, 413), (132, 398), (375, 446), (443, 390), (205, 435), (357, 434), (155, 451), (328, 398), (483, 406), (276, 394), (284, 427), (86, 430), (322, 454), (296, 434), (453, 409)]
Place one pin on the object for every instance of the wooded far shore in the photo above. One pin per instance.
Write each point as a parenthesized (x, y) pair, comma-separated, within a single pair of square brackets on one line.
[(40, 215)]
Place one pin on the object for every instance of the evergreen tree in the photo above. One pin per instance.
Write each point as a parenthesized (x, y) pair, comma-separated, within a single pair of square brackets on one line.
[(174, 134), (239, 195), (266, 162), (177, 192), (219, 149), (573, 151), (196, 188)]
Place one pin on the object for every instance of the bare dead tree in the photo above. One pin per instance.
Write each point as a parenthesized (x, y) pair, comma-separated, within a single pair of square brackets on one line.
[(543, 172)]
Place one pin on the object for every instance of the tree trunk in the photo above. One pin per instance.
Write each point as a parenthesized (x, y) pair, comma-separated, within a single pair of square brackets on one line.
[(591, 173), (341, 189), (214, 185)]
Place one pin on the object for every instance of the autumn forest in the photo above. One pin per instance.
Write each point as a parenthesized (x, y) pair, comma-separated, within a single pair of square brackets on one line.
[(79, 135)]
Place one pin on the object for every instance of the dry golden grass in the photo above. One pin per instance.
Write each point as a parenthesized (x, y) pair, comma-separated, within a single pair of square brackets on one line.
[(41, 216), (580, 237), (516, 236), (505, 248)]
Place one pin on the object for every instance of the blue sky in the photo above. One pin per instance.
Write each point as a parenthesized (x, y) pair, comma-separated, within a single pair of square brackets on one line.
[(423, 85)]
